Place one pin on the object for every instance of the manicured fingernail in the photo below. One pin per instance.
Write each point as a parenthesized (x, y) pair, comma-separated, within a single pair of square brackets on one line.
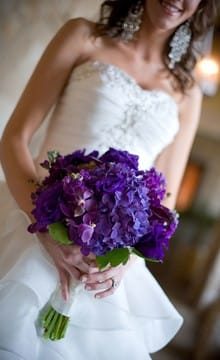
[(98, 296), (84, 279)]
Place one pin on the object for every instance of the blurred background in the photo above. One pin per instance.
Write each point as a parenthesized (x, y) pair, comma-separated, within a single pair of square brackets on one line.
[(190, 274)]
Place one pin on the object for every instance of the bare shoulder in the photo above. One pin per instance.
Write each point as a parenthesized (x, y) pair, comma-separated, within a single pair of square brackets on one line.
[(73, 39), (80, 26), (79, 29), (190, 107)]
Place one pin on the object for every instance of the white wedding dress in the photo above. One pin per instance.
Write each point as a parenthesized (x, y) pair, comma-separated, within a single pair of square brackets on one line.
[(102, 106)]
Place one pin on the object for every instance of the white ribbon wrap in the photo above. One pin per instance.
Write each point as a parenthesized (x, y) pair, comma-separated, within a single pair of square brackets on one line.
[(59, 304)]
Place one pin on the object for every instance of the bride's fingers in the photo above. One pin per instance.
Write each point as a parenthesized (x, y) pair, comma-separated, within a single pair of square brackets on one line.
[(64, 283), (83, 267), (90, 259), (75, 260), (93, 269), (105, 285), (73, 272), (64, 275), (100, 276), (104, 288), (105, 293)]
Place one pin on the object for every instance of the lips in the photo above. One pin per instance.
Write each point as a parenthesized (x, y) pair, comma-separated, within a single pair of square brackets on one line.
[(171, 7)]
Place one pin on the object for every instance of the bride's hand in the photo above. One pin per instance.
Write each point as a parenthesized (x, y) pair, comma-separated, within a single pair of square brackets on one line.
[(106, 281), (68, 260)]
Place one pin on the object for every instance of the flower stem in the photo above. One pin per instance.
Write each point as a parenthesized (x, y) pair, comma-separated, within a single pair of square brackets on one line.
[(65, 325), (54, 324)]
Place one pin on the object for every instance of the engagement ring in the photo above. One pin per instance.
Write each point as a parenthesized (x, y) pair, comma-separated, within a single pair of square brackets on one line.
[(115, 283)]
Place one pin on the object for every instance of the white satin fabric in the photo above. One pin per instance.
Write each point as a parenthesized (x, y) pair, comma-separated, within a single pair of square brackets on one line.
[(101, 106)]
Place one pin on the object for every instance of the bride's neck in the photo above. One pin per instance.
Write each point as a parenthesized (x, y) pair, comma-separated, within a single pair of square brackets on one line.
[(150, 43)]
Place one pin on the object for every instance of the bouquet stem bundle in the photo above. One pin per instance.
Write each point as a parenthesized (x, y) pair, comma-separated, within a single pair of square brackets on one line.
[(55, 318), (54, 324)]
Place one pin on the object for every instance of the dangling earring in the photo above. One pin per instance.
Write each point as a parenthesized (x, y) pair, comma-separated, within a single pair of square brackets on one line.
[(130, 25), (179, 44)]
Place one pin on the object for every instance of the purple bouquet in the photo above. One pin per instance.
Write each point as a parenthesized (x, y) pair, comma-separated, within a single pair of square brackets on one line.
[(107, 206)]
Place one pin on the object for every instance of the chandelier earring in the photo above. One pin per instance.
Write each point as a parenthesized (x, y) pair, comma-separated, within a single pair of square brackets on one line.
[(179, 44), (131, 24)]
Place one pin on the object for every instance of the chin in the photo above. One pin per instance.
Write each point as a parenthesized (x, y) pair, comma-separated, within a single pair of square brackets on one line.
[(165, 15)]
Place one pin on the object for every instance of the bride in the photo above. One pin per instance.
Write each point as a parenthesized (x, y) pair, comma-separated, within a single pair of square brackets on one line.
[(125, 82)]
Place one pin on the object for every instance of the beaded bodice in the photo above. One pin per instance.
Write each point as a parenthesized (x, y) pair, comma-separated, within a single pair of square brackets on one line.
[(103, 106)]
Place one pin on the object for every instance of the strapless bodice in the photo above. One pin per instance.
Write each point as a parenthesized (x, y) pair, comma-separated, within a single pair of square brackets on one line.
[(102, 106)]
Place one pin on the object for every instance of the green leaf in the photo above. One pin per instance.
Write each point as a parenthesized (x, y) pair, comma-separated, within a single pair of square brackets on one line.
[(59, 232), (153, 260), (118, 256), (138, 253), (114, 258), (52, 155), (102, 261)]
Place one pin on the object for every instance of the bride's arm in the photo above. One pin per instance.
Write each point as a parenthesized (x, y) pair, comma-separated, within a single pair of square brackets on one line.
[(172, 161), (42, 91)]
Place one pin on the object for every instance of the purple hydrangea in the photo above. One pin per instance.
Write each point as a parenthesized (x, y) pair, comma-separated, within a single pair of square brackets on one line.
[(105, 203), (47, 209), (124, 157), (163, 223)]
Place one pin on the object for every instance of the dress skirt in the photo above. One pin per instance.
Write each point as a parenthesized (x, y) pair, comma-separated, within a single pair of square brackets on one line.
[(138, 319)]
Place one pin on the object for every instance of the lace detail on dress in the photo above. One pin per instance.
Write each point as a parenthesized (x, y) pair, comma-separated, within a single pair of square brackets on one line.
[(116, 78), (139, 105)]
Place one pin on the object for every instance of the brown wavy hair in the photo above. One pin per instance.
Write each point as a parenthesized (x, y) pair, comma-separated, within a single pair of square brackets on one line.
[(114, 12)]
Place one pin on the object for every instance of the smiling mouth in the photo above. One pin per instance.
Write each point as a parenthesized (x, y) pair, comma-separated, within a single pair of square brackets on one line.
[(169, 8)]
